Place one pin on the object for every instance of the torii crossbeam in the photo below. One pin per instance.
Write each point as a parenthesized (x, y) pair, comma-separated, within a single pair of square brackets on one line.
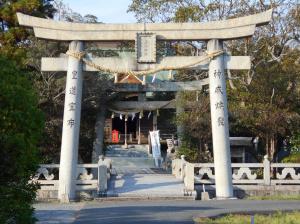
[(145, 37)]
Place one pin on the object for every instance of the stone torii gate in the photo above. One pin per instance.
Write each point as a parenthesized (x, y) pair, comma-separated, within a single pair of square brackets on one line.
[(145, 37)]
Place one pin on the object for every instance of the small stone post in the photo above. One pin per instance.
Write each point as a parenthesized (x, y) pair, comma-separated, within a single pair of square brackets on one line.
[(71, 126), (267, 167), (102, 179), (102, 175), (219, 121), (182, 164), (189, 177)]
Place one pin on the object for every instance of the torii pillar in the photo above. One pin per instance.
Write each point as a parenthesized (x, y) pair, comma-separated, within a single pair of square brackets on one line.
[(219, 123), (214, 31), (71, 126)]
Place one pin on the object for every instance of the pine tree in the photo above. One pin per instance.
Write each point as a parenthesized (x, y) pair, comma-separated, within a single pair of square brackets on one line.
[(21, 124)]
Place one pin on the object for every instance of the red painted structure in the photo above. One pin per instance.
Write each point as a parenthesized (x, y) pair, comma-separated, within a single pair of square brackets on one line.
[(115, 136)]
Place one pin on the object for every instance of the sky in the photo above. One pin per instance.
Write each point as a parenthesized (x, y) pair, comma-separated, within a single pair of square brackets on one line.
[(107, 11)]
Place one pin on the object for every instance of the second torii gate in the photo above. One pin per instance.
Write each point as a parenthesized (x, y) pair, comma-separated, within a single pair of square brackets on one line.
[(145, 37)]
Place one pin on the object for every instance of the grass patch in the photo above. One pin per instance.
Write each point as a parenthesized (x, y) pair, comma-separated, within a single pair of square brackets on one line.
[(275, 218), (275, 197)]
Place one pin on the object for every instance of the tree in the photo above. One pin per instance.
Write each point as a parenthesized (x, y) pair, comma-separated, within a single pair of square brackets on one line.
[(12, 37), (263, 101), (21, 124), (268, 107), (50, 87), (196, 139), (65, 13)]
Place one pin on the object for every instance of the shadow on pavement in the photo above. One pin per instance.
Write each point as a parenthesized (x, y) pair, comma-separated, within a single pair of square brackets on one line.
[(139, 214)]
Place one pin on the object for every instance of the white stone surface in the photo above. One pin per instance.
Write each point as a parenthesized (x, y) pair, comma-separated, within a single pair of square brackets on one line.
[(226, 29), (146, 185), (286, 171), (133, 160), (219, 121), (136, 175), (244, 173), (102, 178), (71, 126), (130, 63)]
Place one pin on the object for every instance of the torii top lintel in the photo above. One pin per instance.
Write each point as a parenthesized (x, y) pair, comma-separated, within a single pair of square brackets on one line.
[(224, 30)]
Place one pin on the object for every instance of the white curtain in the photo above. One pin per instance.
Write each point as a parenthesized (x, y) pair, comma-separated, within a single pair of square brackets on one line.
[(155, 143)]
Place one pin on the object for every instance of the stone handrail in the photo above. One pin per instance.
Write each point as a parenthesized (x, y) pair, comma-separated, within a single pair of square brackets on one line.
[(92, 176), (265, 173)]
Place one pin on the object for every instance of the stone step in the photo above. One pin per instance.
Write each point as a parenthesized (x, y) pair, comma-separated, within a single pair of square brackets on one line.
[(127, 153), (134, 151), (129, 170), (135, 176), (132, 162), (138, 147), (118, 198)]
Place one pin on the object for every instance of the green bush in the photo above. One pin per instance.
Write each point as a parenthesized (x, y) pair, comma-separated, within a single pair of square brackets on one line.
[(295, 142), (293, 158), (191, 154), (21, 124)]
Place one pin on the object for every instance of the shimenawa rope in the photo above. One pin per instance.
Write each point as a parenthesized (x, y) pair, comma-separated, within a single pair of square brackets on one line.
[(80, 56)]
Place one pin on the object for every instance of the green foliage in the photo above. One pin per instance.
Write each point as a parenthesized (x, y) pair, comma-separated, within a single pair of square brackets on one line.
[(21, 124), (195, 121), (263, 102), (188, 13), (276, 218), (191, 154), (51, 88), (268, 106), (295, 142), (12, 37), (293, 158)]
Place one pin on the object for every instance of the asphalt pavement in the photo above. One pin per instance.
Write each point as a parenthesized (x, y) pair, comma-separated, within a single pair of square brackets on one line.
[(152, 211)]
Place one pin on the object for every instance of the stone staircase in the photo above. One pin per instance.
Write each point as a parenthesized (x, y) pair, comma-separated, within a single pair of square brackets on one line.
[(135, 159), (135, 176)]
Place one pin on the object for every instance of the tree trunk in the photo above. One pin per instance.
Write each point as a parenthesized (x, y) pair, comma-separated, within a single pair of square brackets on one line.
[(99, 129), (273, 146)]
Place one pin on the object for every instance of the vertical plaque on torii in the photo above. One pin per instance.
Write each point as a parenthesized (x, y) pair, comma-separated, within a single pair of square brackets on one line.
[(145, 44)]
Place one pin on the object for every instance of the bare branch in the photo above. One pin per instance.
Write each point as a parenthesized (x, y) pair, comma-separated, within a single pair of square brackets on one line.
[(230, 80)]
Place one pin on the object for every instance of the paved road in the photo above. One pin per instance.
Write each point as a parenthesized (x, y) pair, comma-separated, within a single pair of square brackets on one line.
[(154, 212)]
